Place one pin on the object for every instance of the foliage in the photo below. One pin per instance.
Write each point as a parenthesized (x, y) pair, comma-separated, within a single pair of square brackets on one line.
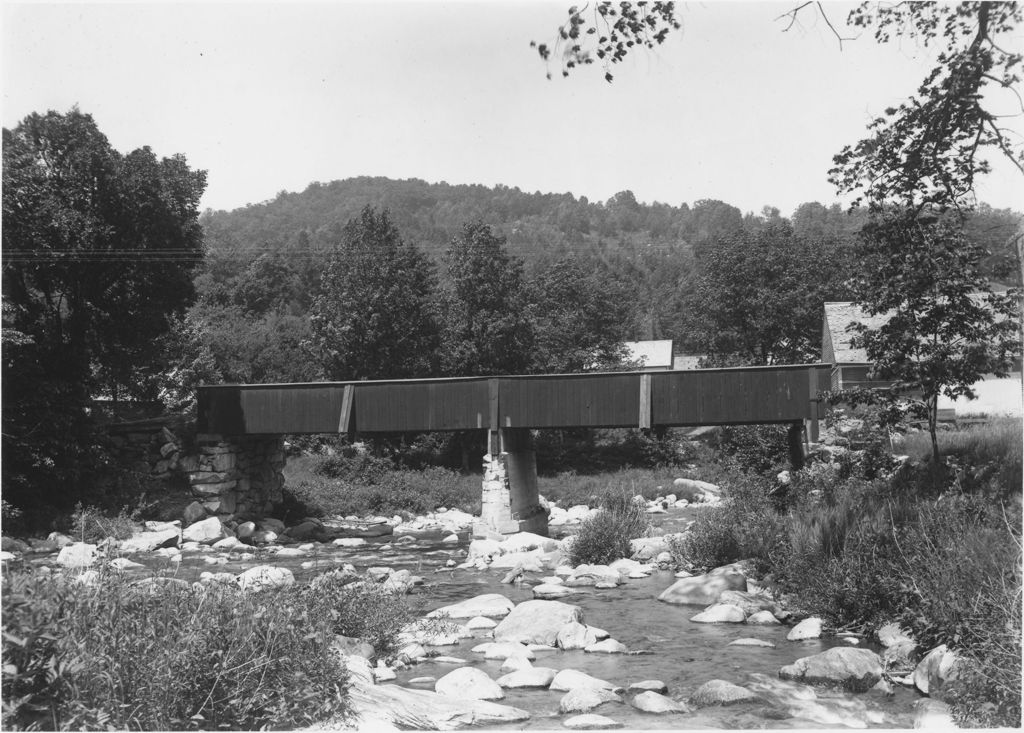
[(487, 329), (571, 489), (98, 253), (604, 537), (754, 448), (745, 526), (164, 655), (758, 295), (89, 524), (365, 612), (582, 318), (944, 330), (617, 27), (374, 490), (590, 452), (929, 149), (373, 317)]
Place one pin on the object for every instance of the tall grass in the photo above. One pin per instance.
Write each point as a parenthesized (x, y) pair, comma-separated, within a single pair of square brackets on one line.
[(170, 655)]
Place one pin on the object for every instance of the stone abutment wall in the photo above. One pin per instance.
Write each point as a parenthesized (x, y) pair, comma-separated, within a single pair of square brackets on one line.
[(231, 477)]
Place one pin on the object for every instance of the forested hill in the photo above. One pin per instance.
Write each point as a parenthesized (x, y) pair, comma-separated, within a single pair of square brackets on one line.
[(535, 224)]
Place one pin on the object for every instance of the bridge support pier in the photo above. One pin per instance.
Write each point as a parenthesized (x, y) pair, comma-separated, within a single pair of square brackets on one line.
[(795, 439), (510, 500)]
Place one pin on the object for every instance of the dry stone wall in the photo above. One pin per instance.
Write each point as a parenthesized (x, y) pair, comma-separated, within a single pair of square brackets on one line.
[(231, 477)]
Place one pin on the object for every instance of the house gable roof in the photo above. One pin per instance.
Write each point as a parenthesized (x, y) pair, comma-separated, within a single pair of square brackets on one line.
[(838, 317)]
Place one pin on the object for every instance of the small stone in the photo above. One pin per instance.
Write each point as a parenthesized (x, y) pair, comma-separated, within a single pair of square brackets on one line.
[(649, 686), (451, 539), (265, 576), (77, 555), (571, 679), (751, 642), (527, 677)]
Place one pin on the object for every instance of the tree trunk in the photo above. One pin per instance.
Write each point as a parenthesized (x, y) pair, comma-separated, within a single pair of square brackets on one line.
[(933, 420)]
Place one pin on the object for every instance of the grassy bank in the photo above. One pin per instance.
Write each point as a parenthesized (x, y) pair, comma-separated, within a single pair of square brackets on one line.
[(165, 654), (916, 547)]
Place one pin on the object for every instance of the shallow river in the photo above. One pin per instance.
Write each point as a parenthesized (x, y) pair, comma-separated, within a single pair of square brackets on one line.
[(684, 655)]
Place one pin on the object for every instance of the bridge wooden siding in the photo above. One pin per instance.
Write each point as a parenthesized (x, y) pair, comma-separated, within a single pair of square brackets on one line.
[(734, 396)]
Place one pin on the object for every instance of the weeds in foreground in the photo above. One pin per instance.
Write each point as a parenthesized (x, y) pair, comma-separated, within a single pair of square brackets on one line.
[(169, 655)]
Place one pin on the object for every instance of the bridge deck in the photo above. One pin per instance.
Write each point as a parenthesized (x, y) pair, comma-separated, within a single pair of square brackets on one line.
[(734, 396)]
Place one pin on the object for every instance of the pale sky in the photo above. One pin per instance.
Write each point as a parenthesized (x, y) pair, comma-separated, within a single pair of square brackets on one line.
[(270, 97)]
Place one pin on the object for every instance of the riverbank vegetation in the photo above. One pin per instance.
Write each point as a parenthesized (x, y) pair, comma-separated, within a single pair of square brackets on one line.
[(935, 548), (165, 654)]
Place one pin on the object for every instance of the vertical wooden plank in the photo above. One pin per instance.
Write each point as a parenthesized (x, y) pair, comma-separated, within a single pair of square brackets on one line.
[(645, 401), (812, 427), (345, 418)]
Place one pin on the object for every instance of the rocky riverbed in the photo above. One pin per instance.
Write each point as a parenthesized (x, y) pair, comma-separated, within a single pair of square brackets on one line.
[(520, 639)]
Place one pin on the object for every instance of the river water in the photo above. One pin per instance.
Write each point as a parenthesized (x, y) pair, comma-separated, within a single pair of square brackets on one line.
[(682, 654)]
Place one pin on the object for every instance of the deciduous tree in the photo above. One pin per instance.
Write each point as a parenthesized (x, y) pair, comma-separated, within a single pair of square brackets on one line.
[(374, 315)]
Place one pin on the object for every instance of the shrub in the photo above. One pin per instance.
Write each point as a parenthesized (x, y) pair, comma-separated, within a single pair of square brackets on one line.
[(365, 612), (745, 526), (604, 536), (163, 656)]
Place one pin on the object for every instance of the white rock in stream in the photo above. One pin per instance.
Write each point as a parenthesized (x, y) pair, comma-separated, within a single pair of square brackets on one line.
[(703, 590), (608, 646), (77, 555), (751, 642), (653, 702), (721, 692), (590, 721), (536, 622), (265, 576), (649, 686), (762, 618), (487, 604), (469, 683), (585, 699), (551, 591), (480, 622), (853, 669), (423, 709), (809, 628), (720, 613), (527, 677), (571, 679)]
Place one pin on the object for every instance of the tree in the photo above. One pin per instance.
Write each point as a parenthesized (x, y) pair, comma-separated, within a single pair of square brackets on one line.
[(373, 317), (944, 330), (758, 296), (582, 316), (98, 250), (486, 328)]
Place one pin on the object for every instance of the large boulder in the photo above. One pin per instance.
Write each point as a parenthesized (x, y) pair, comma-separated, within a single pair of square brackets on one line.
[(647, 548), (933, 715), (856, 670), (703, 590), (751, 603), (536, 622), (492, 605), (585, 699), (523, 541), (720, 692), (469, 683), (590, 575)]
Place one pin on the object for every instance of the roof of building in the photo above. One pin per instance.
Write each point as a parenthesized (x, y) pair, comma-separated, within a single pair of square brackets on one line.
[(652, 354), (838, 317)]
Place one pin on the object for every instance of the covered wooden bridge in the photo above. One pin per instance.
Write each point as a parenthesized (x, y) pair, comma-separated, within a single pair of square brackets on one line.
[(509, 407)]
